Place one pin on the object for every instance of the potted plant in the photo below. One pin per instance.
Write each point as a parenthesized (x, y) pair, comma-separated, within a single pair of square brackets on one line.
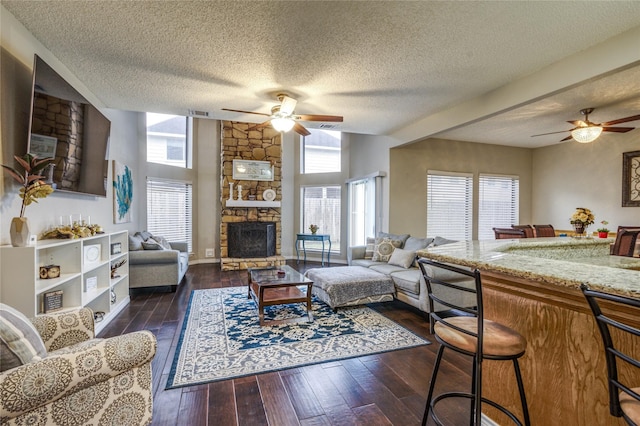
[(313, 229), (33, 187), (581, 219), (604, 231)]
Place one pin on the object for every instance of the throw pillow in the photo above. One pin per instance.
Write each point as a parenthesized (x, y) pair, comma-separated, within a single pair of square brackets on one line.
[(163, 242), (135, 242), (152, 244), (368, 251), (145, 235), (384, 248), (415, 244), (20, 342), (439, 241), (402, 258), (399, 237)]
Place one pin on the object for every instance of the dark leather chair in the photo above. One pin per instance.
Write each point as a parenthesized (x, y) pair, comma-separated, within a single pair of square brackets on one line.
[(625, 243), (528, 230), (544, 231), (624, 400), (506, 233), (457, 328)]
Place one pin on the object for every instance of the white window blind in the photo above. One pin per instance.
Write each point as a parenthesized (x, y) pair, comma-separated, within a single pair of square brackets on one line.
[(321, 206), (498, 204), (169, 209), (449, 205)]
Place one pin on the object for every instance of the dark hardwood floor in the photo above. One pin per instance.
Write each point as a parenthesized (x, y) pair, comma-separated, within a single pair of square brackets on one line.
[(383, 389)]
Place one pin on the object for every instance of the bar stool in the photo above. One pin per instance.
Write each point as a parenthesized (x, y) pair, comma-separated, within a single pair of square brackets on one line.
[(456, 328), (544, 231), (528, 230), (624, 401), (507, 233)]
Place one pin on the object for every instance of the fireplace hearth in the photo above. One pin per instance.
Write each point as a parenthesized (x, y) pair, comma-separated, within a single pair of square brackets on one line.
[(251, 239)]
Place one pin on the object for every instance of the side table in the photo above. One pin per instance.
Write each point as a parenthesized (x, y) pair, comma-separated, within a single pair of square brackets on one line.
[(313, 237)]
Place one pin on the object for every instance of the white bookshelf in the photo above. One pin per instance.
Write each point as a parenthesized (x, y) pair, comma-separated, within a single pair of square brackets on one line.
[(22, 288)]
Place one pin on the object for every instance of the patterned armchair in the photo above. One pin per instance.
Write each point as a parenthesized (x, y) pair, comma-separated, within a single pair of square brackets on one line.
[(73, 378)]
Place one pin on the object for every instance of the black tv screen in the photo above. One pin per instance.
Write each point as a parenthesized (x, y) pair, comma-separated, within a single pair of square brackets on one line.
[(66, 127)]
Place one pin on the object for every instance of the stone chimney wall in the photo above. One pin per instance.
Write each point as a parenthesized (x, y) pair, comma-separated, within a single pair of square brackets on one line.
[(262, 144)]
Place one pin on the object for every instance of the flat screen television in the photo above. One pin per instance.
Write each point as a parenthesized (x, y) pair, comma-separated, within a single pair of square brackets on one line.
[(66, 127)]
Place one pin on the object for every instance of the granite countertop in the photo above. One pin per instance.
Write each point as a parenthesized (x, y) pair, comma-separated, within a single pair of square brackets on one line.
[(561, 261)]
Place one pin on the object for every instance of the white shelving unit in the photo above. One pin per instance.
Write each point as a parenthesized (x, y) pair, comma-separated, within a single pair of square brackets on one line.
[(79, 260)]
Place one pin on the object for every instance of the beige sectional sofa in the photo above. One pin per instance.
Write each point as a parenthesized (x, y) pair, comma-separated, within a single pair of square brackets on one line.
[(154, 262), (407, 278)]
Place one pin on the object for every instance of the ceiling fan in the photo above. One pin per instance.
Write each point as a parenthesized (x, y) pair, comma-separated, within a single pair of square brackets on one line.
[(586, 131), (283, 119)]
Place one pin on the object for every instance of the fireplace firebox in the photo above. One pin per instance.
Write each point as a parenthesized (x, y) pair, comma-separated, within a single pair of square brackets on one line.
[(251, 239)]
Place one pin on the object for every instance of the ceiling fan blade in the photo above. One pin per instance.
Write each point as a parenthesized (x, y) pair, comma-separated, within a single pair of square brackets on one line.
[(566, 139), (552, 133), (318, 117), (621, 120), (300, 129), (246, 112), (288, 105), (578, 123), (618, 129), (260, 125)]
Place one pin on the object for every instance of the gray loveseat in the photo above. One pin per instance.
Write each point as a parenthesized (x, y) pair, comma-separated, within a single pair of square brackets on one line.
[(155, 262), (401, 267)]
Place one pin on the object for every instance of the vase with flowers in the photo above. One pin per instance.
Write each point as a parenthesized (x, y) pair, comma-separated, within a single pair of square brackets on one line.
[(32, 188), (313, 229), (581, 219), (603, 232)]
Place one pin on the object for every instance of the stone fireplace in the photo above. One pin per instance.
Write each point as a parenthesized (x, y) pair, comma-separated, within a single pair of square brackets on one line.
[(245, 141)]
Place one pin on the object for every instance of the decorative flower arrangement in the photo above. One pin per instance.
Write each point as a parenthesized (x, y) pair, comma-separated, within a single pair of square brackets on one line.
[(33, 187), (313, 228), (604, 227), (582, 216)]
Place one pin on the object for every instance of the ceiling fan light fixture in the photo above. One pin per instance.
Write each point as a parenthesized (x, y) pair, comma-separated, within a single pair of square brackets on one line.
[(282, 124), (586, 134)]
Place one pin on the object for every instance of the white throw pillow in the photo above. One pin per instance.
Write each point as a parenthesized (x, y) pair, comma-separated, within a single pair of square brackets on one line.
[(402, 258)]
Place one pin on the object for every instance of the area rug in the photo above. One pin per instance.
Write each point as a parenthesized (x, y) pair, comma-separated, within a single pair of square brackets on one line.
[(222, 339)]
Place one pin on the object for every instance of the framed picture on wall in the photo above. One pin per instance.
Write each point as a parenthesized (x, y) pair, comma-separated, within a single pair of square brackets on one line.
[(631, 179), (252, 170)]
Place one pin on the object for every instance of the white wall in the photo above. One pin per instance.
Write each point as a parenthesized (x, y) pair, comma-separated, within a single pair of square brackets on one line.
[(18, 48), (570, 175)]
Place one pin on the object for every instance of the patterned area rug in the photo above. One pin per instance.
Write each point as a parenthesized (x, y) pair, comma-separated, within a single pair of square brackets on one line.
[(222, 339)]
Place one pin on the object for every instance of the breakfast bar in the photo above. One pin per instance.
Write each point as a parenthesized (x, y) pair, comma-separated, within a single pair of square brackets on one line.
[(533, 286)]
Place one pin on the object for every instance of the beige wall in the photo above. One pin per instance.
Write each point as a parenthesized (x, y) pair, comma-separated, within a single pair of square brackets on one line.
[(408, 177), (570, 175)]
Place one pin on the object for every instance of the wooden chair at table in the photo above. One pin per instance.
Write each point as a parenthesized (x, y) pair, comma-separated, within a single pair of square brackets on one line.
[(528, 230), (465, 331), (625, 243), (624, 400), (544, 231), (506, 233)]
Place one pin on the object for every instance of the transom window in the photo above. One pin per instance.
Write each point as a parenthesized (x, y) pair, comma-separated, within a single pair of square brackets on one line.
[(169, 139), (321, 152)]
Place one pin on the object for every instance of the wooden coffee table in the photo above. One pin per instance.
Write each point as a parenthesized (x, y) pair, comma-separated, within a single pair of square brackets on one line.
[(268, 288)]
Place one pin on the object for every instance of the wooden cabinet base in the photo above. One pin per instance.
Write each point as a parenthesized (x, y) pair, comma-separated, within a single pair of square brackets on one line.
[(564, 367)]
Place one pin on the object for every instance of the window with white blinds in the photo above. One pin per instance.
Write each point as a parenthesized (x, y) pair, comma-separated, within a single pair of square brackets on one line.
[(169, 210), (321, 206), (498, 204), (449, 205)]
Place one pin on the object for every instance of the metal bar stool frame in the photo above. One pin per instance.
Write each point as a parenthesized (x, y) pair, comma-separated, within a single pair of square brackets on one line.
[(478, 355), (611, 353)]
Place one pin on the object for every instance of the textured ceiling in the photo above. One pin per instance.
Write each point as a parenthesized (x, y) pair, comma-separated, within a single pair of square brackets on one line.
[(381, 65)]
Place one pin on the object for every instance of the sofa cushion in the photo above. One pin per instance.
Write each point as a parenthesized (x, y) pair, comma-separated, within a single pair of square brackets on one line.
[(384, 248), (135, 242), (365, 262), (385, 268), (415, 244), (20, 342), (402, 258), (407, 280), (162, 241), (402, 237), (368, 251), (145, 235)]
